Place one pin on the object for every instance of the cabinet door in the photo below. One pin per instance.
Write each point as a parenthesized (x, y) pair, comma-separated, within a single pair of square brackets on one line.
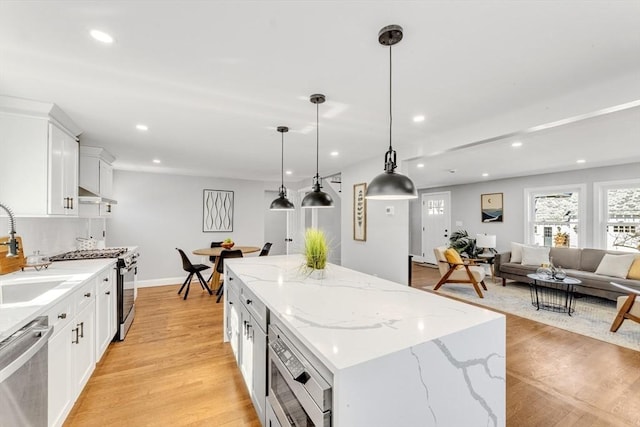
[(63, 173), (233, 319), (84, 349), (259, 391), (106, 179), (246, 349), (105, 318), (60, 389), (57, 201)]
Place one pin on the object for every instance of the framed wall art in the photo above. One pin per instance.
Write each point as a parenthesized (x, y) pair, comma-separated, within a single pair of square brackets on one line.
[(217, 210), (359, 212), (491, 206)]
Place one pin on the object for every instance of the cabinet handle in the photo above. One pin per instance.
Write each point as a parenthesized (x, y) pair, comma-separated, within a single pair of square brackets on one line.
[(230, 278), (108, 293), (249, 301), (77, 340), (81, 329), (71, 200), (88, 295), (65, 204), (106, 279), (230, 302), (109, 208), (62, 316)]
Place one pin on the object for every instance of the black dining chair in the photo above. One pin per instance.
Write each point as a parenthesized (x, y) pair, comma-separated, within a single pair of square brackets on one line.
[(265, 249), (212, 259), (220, 268), (192, 269)]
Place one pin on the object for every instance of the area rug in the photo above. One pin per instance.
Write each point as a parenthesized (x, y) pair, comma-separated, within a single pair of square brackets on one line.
[(592, 316)]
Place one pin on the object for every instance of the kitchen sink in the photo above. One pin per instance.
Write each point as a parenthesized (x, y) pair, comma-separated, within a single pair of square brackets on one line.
[(23, 292)]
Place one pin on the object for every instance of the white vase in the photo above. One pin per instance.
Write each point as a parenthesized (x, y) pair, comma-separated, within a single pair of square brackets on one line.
[(317, 274)]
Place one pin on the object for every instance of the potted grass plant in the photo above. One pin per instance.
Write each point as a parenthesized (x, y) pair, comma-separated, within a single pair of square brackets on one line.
[(315, 250)]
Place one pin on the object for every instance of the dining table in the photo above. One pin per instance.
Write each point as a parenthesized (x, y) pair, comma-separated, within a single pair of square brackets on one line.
[(215, 277)]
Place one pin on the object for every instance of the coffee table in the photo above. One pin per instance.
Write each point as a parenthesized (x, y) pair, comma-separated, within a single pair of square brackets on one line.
[(554, 295)]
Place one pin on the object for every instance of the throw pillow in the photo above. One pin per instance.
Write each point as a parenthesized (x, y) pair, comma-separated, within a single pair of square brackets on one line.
[(615, 265), (634, 271), (516, 252), (453, 257), (535, 255)]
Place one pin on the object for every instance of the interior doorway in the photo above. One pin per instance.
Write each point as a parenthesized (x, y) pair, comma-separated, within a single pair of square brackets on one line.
[(436, 223), (275, 226)]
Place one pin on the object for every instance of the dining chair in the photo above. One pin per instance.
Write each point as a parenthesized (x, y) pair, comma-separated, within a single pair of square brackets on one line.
[(237, 253), (192, 269), (627, 306), (265, 249), (212, 259), (454, 269)]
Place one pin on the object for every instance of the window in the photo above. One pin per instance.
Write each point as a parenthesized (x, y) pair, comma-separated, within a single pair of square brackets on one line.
[(618, 227), (556, 216)]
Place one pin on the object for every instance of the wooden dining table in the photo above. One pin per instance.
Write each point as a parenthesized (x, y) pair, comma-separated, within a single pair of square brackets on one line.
[(215, 278)]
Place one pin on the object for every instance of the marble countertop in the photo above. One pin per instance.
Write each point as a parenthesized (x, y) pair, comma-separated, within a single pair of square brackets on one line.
[(348, 317), (70, 274)]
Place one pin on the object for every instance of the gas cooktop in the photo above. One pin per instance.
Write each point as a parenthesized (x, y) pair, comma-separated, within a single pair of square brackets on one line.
[(89, 254)]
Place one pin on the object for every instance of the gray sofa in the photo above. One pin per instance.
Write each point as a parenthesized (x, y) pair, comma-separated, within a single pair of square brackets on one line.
[(578, 263)]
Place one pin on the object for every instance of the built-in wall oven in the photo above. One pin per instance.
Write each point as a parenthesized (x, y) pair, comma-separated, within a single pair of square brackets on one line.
[(300, 387)]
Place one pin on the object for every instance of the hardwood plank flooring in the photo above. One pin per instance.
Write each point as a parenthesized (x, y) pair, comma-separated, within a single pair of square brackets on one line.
[(174, 370)]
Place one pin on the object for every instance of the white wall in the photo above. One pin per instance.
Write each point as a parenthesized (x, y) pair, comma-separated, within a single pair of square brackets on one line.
[(465, 202), (159, 213), (386, 250)]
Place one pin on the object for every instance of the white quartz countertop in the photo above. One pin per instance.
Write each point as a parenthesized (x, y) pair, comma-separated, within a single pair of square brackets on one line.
[(348, 317), (70, 274)]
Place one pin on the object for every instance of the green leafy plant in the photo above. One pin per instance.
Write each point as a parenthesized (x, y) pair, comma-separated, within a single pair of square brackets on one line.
[(315, 248), (465, 245)]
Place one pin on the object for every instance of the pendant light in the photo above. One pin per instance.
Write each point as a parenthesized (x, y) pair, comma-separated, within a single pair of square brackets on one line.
[(317, 198), (390, 185), (282, 203)]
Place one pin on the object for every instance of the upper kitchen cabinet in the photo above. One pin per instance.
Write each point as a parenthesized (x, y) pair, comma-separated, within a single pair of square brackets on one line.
[(96, 182), (39, 148)]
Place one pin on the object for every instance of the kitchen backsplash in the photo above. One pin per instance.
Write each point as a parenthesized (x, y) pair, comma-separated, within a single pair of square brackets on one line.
[(52, 236)]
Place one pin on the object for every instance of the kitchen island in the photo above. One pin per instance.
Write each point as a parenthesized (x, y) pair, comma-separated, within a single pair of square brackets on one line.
[(394, 355)]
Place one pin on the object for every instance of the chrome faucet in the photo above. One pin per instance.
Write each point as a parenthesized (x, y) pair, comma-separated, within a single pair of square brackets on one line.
[(12, 243)]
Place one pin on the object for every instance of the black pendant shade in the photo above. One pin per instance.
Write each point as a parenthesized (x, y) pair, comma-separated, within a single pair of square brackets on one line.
[(282, 203), (390, 185), (317, 198)]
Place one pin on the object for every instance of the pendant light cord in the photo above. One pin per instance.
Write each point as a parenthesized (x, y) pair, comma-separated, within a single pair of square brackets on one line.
[(317, 142), (390, 113), (282, 162)]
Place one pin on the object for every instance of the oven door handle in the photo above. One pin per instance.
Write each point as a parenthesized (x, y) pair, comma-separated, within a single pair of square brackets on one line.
[(125, 270)]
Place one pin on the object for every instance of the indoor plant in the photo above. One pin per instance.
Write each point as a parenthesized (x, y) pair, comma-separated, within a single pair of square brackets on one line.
[(465, 245), (315, 249)]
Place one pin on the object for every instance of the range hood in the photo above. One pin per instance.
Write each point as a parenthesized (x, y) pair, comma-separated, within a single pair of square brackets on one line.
[(87, 197)]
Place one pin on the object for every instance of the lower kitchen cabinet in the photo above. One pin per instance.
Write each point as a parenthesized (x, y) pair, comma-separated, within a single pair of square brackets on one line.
[(246, 330), (106, 310), (60, 389), (83, 351)]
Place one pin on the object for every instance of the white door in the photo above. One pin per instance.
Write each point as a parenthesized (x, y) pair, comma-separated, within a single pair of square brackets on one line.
[(436, 223), (275, 226), (297, 221)]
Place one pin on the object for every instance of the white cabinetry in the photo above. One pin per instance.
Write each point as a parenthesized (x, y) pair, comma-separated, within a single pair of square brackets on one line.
[(251, 338), (105, 310), (96, 178), (40, 173), (83, 325)]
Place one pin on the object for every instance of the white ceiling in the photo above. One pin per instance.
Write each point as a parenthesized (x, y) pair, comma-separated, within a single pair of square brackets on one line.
[(213, 79)]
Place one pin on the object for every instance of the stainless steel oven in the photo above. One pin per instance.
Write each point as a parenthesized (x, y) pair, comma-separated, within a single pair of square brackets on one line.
[(300, 390), (127, 268)]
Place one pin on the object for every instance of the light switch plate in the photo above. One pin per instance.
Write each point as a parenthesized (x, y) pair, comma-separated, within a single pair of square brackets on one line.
[(390, 210)]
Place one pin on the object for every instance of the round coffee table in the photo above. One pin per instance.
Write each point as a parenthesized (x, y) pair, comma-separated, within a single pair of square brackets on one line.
[(550, 294)]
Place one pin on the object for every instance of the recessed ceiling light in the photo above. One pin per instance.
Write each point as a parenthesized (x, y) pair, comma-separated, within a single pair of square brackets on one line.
[(485, 174), (156, 161), (581, 161), (418, 119), (334, 153), (517, 144), (101, 36), (142, 127), (288, 172), (420, 165)]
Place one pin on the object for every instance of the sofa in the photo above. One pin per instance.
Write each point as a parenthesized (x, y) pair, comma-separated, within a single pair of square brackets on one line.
[(578, 263)]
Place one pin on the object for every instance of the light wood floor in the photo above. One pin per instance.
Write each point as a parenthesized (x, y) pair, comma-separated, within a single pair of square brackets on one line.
[(173, 370)]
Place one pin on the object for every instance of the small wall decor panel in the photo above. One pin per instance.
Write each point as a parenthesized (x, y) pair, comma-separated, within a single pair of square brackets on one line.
[(217, 210), (359, 212)]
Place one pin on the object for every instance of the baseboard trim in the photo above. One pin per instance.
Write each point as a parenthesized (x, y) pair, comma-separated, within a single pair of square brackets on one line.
[(162, 282)]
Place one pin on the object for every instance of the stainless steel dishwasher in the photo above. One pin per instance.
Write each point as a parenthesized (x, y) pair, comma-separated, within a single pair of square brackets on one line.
[(24, 376)]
